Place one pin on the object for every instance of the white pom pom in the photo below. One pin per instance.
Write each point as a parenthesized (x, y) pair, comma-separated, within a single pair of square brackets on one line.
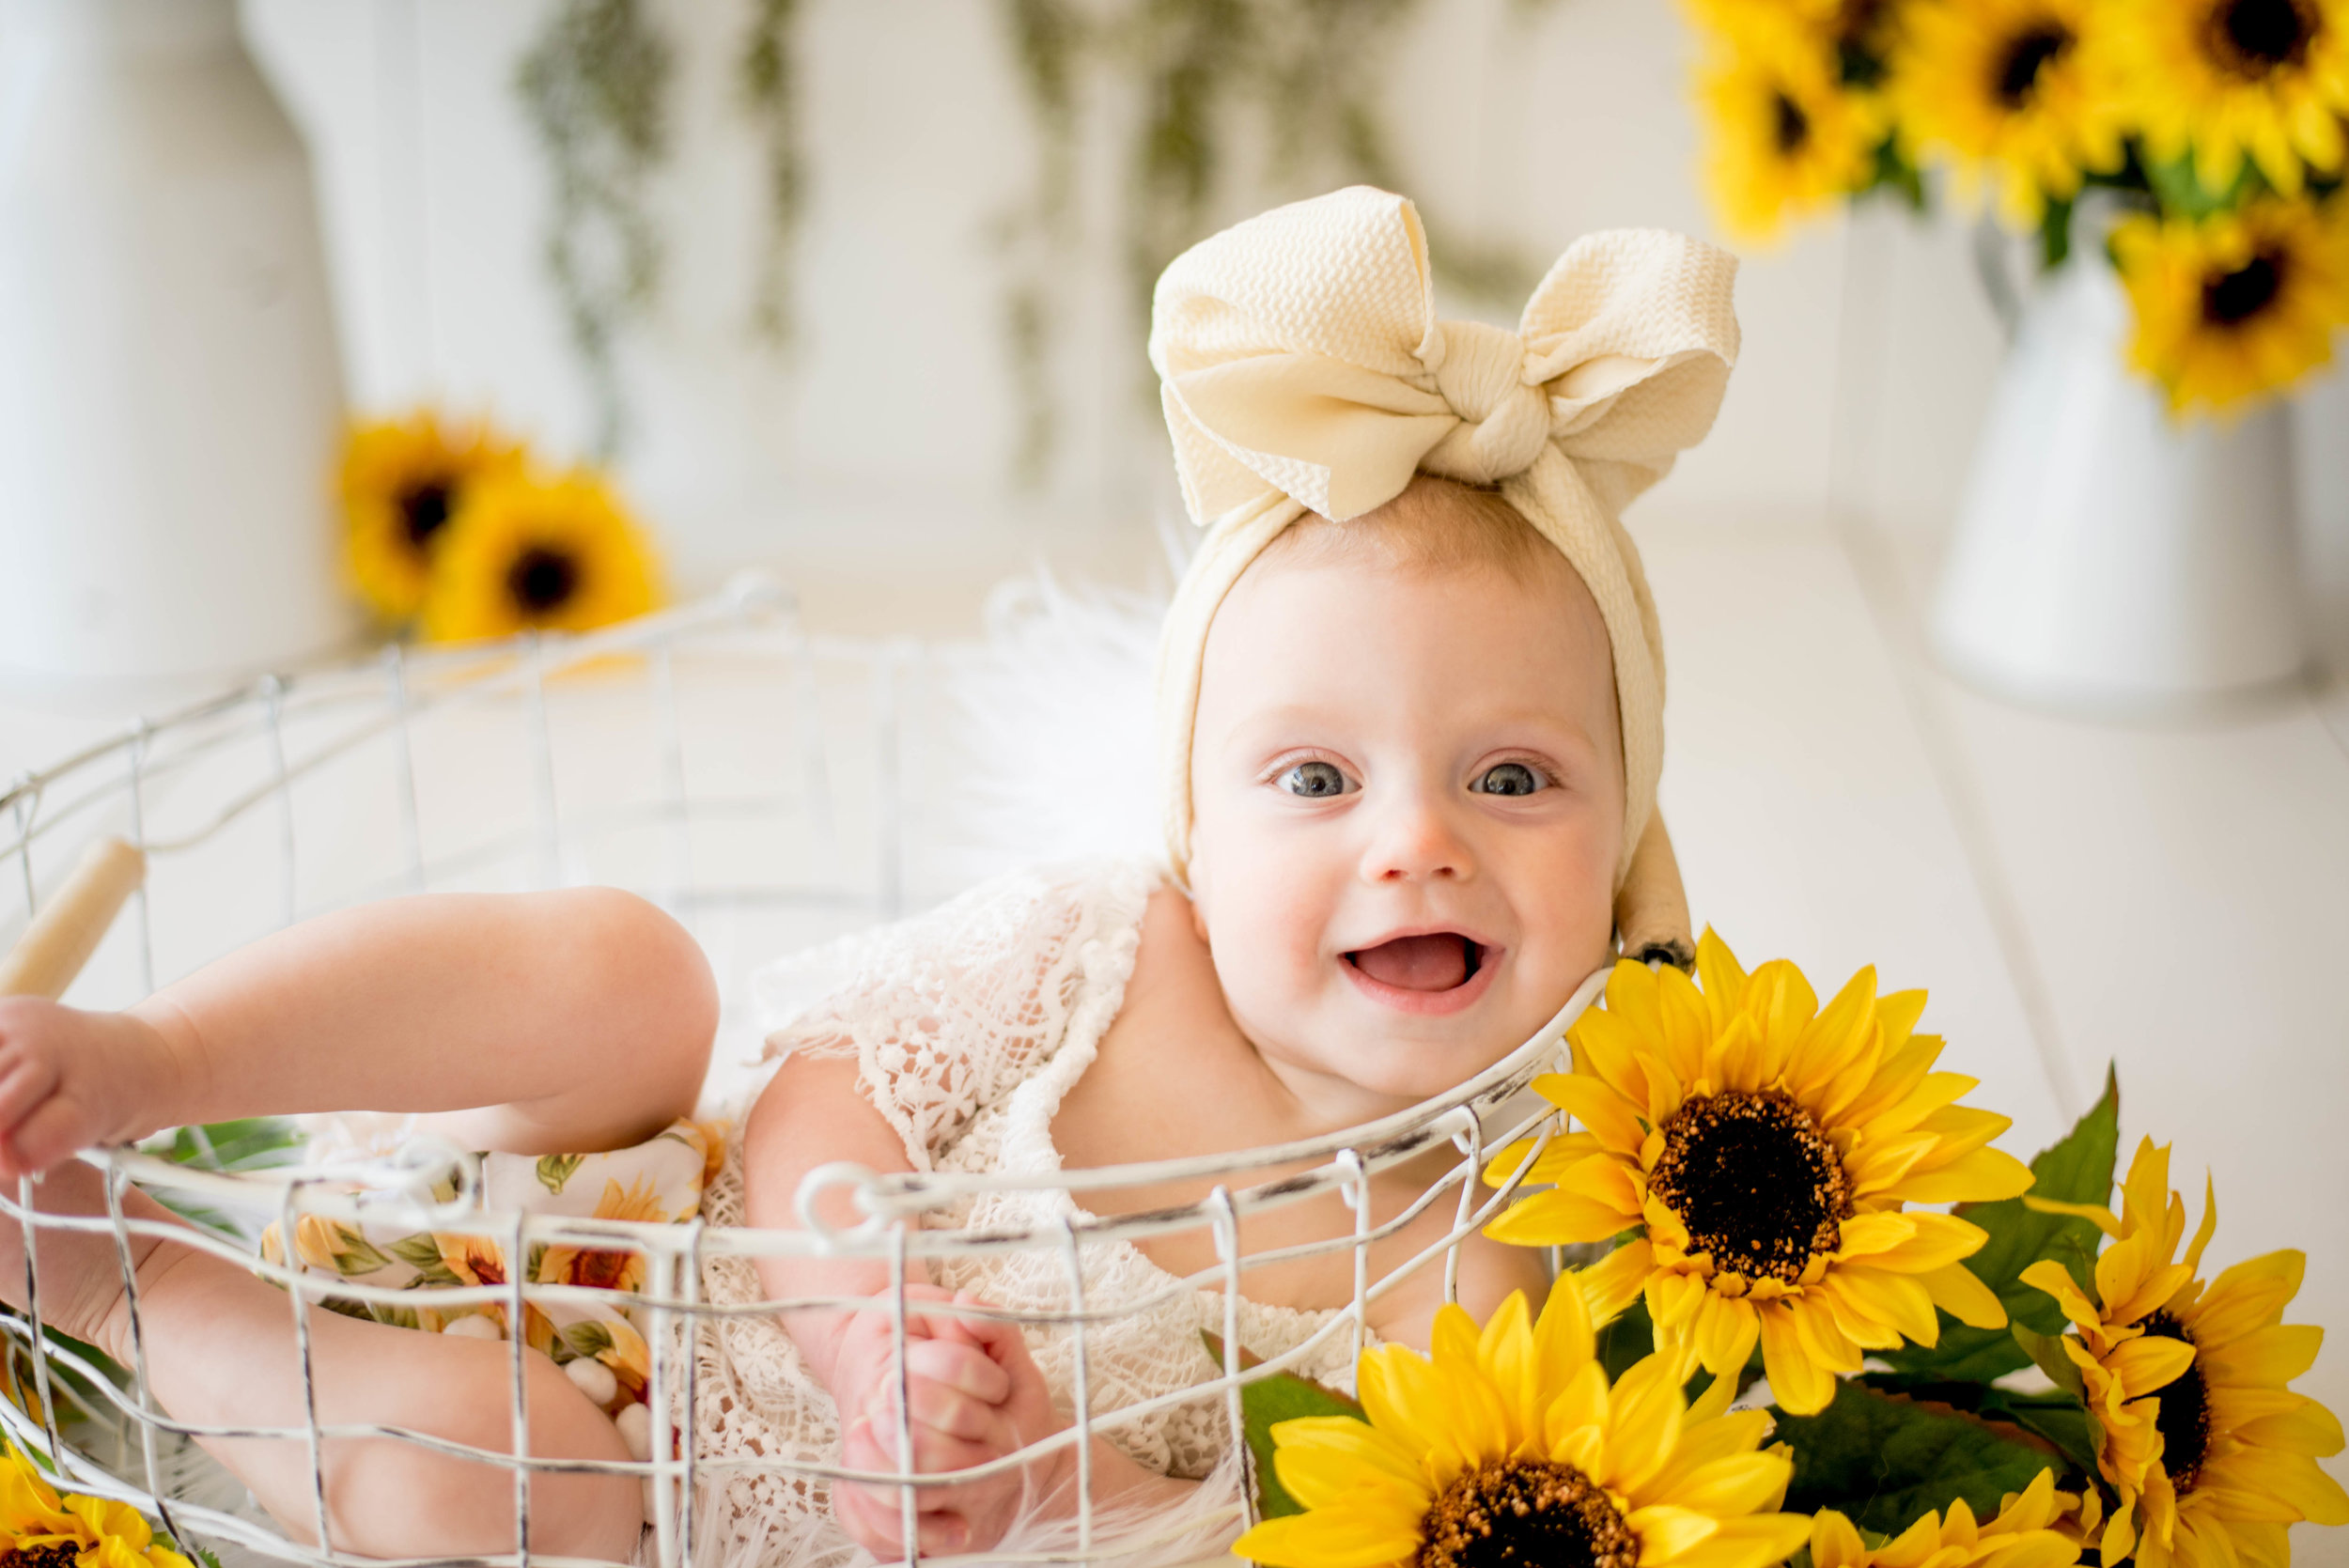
[(635, 1424), (593, 1378), (475, 1325)]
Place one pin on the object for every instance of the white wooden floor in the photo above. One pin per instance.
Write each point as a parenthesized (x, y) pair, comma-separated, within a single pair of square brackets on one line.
[(2171, 899)]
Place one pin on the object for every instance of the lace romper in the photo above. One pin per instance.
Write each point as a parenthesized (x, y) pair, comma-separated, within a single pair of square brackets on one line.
[(969, 1024)]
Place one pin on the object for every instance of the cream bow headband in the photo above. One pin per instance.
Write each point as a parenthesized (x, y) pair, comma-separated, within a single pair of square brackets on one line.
[(1304, 368)]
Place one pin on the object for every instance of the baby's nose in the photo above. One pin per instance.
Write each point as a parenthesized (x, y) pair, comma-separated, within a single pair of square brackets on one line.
[(1414, 842)]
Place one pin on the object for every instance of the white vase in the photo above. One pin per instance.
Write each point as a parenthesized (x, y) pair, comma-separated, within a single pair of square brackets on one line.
[(170, 393), (2108, 558)]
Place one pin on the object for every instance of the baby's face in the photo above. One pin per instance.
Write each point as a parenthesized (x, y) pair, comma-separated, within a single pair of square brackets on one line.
[(1408, 807)]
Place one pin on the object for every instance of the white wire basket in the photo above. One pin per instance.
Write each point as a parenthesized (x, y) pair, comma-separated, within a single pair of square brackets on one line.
[(770, 787)]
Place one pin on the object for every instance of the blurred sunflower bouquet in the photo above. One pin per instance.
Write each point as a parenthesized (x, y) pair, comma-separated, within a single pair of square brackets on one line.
[(2216, 125), (1967, 1360), (454, 532)]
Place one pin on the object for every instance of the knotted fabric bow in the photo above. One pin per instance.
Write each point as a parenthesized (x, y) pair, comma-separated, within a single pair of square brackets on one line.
[(1303, 369)]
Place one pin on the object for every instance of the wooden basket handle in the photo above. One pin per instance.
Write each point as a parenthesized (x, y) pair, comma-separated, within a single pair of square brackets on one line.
[(67, 931)]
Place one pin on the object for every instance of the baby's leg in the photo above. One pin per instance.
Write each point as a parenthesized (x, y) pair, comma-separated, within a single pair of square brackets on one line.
[(220, 1350)]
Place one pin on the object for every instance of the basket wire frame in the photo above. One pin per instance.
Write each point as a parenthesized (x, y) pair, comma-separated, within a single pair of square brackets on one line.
[(303, 726)]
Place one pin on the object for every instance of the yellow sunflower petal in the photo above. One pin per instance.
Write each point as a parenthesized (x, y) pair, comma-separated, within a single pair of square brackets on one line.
[(1743, 1483), (1726, 1333), (2053, 1279), (1321, 1458), (1563, 1338), (2095, 1214), (1984, 1176), (1647, 1407), (1756, 1540), (2274, 1354), (1359, 1537), (1801, 1386), (1892, 1298), (1606, 1113), (1668, 1534), (2250, 1296), (1616, 1280), (1555, 1218), (1834, 1544), (1958, 1292), (2310, 1429)]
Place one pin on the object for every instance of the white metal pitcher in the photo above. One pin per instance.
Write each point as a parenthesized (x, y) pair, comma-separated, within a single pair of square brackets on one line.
[(170, 393), (2108, 557)]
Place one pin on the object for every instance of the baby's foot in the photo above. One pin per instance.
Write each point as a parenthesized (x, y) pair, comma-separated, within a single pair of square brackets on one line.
[(81, 1271), (71, 1080)]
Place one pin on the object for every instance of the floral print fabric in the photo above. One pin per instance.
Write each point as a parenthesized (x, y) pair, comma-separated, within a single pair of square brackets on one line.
[(658, 1181)]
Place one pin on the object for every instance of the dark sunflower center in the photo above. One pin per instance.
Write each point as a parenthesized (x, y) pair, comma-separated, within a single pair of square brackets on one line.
[(2028, 54), (2230, 299), (60, 1554), (1754, 1180), (1526, 1510), (543, 580), (1859, 52), (423, 508), (1790, 126), (2255, 37), (2183, 1410)]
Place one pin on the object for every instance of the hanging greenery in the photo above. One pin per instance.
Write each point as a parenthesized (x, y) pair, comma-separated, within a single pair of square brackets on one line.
[(1046, 37), (1206, 73), (770, 85), (596, 88), (1207, 76)]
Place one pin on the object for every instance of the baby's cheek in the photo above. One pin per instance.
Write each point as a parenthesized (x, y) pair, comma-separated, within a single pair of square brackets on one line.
[(1266, 926)]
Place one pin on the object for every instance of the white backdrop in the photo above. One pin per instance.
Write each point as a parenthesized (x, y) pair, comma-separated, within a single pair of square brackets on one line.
[(882, 445)]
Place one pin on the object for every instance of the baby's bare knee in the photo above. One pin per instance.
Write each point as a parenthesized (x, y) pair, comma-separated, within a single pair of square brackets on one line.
[(389, 1498)]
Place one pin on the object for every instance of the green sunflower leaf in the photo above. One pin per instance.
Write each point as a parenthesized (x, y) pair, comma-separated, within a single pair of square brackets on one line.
[(555, 1170), (1884, 1460), (2057, 1416), (2078, 1170), (418, 1250), (1265, 1403), (588, 1339), (1627, 1340)]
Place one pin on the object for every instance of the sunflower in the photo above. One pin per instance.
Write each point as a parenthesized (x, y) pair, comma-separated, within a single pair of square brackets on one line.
[(2011, 89), (40, 1529), (1508, 1445), (1855, 33), (2231, 79), (481, 1261), (2238, 305), (558, 554), (401, 483), (2027, 1533), (1765, 1148), (2212, 1456), (603, 1267), (1787, 137)]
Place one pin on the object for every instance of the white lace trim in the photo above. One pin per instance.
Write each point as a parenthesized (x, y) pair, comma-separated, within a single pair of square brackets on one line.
[(970, 1025)]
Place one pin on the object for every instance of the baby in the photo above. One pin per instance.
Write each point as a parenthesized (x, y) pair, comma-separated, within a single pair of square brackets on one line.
[(1411, 692)]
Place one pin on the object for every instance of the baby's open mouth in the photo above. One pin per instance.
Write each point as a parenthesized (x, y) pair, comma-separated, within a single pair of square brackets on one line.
[(1440, 961)]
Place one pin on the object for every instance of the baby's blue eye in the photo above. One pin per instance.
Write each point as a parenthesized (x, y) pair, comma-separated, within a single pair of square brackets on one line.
[(1316, 781), (1508, 777)]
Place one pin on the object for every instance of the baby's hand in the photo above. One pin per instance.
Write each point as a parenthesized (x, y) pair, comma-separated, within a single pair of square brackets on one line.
[(975, 1395), (69, 1079)]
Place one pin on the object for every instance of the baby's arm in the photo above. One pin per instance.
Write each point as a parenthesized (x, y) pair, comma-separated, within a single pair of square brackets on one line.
[(542, 1023), (972, 1390)]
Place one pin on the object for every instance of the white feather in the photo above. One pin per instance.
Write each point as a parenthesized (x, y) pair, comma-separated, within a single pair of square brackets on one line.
[(1049, 724)]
